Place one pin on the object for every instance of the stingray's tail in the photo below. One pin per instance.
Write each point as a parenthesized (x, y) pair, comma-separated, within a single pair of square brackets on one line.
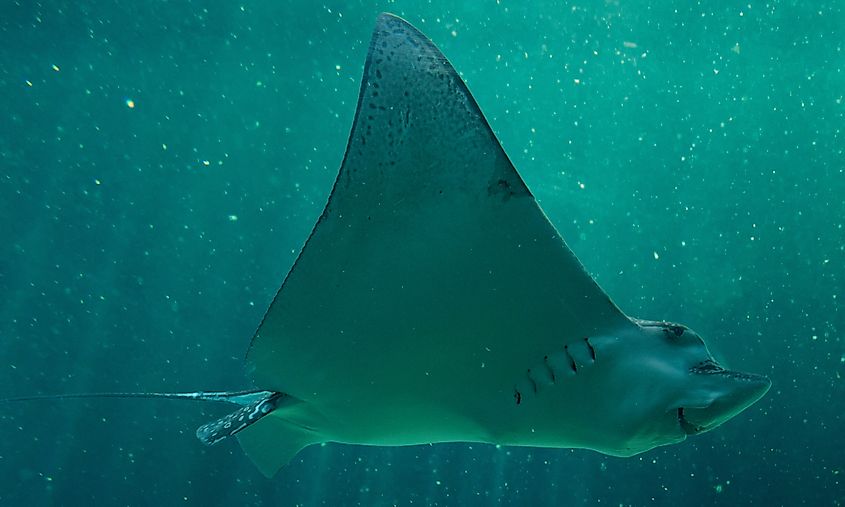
[(254, 404), (241, 398)]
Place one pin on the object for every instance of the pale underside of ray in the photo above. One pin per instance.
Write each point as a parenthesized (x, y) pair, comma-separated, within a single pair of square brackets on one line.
[(432, 279)]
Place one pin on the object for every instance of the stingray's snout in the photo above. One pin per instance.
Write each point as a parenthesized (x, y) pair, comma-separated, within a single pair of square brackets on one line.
[(731, 392)]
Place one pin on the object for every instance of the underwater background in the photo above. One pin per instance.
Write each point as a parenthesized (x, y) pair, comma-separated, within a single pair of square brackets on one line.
[(161, 164)]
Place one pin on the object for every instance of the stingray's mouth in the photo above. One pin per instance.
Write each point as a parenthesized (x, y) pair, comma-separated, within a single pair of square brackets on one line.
[(688, 427), (722, 394)]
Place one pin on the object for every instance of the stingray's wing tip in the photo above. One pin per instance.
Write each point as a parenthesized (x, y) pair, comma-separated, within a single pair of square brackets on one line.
[(388, 16), (387, 20)]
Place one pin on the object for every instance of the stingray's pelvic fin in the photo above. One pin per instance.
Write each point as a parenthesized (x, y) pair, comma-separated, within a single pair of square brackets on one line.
[(260, 404), (274, 440)]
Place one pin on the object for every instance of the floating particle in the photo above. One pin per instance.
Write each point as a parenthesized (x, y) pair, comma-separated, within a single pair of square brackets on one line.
[(130, 103), (656, 256), (56, 67), (233, 218)]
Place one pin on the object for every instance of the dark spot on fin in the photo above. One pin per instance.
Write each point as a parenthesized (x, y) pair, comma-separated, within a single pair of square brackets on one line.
[(502, 187), (229, 425)]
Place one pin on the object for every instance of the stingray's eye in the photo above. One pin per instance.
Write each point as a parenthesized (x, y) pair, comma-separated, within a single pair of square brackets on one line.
[(673, 331)]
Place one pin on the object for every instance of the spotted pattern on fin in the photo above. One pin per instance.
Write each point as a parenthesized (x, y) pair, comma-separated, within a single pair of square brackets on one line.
[(230, 424)]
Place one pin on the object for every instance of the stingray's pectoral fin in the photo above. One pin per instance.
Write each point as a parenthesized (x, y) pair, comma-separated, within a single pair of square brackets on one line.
[(230, 424)]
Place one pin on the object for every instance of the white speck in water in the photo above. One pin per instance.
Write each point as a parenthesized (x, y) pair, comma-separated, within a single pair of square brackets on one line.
[(233, 218), (656, 256)]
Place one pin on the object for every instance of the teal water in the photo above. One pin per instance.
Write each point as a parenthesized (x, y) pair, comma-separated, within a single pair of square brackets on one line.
[(691, 155)]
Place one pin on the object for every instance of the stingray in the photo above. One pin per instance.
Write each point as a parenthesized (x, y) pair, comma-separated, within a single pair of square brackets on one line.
[(435, 302)]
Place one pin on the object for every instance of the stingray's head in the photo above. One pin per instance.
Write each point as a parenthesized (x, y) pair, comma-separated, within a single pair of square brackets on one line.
[(683, 389)]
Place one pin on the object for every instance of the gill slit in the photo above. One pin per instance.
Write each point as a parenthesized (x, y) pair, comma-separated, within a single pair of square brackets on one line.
[(533, 382), (590, 346), (549, 367), (571, 360)]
